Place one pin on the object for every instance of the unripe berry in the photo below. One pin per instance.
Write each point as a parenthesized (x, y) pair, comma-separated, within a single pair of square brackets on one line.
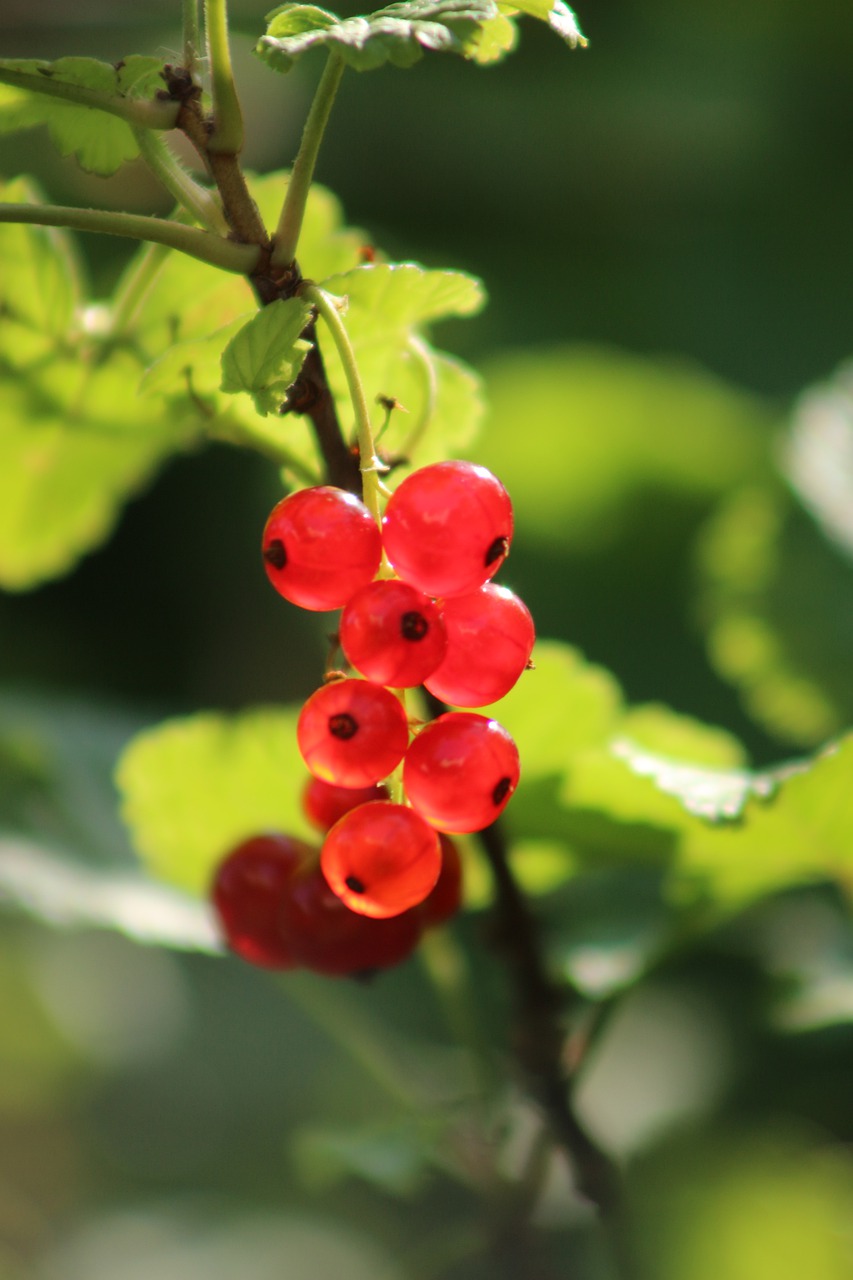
[(392, 633), (248, 890), (352, 733), (490, 637), (460, 771), (448, 527), (319, 546), (381, 858)]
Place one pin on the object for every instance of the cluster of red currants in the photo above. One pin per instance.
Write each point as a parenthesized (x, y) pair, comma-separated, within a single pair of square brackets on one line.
[(418, 609)]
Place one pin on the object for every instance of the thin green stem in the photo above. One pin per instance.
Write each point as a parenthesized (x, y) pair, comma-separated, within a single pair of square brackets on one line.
[(239, 258), (369, 464), (197, 200), (445, 963), (134, 285), (136, 111), (191, 42), (293, 209), (227, 136), (352, 1029)]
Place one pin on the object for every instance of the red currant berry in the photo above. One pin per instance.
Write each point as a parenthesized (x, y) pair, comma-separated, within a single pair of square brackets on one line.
[(381, 858), (248, 889), (448, 527), (490, 636), (352, 733), (323, 803), (445, 898), (319, 546), (392, 633), (460, 771), (325, 936)]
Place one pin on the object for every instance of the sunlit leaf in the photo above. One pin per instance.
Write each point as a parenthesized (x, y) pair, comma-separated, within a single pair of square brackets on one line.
[(192, 789), (556, 13), (55, 890), (612, 426), (775, 596), (400, 33), (388, 306), (39, 281), (101, 142), (818, 455), (265, 356), (74, 445)]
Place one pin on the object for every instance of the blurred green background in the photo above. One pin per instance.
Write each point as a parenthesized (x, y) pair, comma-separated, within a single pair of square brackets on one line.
[(663, 226)]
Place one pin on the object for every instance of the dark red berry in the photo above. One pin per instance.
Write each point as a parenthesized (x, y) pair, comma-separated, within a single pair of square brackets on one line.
[(323, 802), (392, 633), (381, 858), (448, 527), (248, 890), (490, 636), (324, 935), (352, 733), (460, 771), (319, 546), (445, 898)]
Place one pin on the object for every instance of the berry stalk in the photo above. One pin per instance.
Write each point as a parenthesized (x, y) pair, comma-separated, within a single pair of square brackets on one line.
[(369, 464)]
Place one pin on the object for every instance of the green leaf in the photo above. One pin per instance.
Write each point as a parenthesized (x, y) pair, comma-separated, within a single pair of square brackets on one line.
[(53, 888), (387, 309), (772, 595), (192, 789), (101, 142), (394, 1155), (195, 364), (75, 443), (716, 794), (265, 356), (613, 426), (64, 856), (400, 33), (558, 15), (39, 282)]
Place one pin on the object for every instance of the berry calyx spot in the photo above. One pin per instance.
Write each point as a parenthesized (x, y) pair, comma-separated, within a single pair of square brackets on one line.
[(275, 553), (343, 726), (413, 625)]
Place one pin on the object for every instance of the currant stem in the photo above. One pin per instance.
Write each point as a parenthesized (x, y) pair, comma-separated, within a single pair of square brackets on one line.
[(136, 111), (239, 258), (191, 38), (189, 194), (369, 464), (227, 136), (293, 209)]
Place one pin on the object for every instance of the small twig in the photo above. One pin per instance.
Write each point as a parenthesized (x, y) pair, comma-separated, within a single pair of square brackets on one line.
[(240, 258), (539, 1037)]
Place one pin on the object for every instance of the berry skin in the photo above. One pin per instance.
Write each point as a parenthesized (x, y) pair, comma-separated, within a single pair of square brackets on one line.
[(325, 936), (319, 546), (445, 898), (323, 803), (490, 637), (460, 771), (248, 890), (393, 634), (447, 528), (381, 859), (352, 733)]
